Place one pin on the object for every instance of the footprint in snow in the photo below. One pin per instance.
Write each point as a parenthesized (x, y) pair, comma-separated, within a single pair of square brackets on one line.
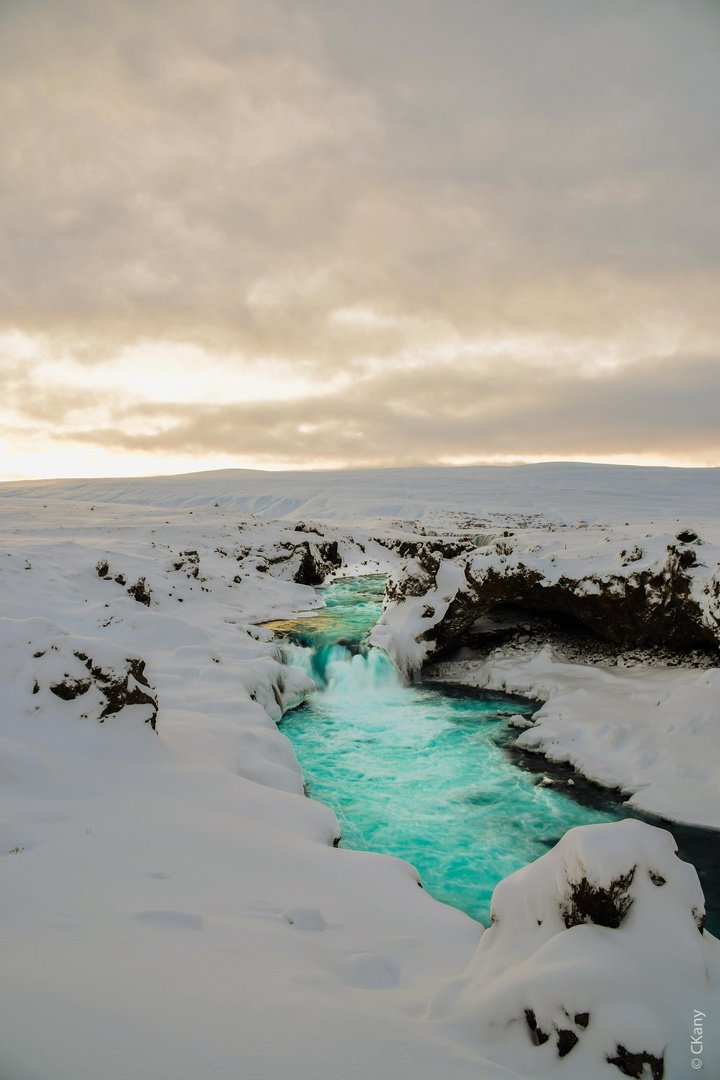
[(304, 918), (176, 920), (364, 970)]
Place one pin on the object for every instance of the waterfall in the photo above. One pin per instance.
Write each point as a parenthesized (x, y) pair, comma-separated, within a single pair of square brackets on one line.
[(346, 670)]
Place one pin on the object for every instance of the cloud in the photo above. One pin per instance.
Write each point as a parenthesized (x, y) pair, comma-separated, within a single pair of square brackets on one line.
[(423, 218), (658, 407)]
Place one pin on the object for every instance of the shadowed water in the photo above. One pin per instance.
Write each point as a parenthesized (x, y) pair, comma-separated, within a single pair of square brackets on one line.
[(423, 772)]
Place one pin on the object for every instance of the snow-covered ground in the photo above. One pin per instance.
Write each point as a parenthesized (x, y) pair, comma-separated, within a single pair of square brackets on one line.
[(172, 904)]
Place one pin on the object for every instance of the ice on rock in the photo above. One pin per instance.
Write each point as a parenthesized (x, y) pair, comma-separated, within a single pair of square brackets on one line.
[(597, 953)]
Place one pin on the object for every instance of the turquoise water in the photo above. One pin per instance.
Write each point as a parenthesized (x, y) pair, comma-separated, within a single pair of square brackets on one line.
[(415, 771)]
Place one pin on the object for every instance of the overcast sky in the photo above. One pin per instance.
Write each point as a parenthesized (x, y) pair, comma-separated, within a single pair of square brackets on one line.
[(321, 233)]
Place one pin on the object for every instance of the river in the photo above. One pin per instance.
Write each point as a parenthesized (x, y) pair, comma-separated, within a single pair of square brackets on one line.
[(429, 773)]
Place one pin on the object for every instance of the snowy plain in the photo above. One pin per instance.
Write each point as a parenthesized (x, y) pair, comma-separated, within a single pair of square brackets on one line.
[(173, 905)]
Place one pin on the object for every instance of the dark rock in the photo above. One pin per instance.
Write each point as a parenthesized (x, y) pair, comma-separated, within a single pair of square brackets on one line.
[(103, 568), (118, 694), (634, 555), (315, 563), (189, 562), (141, 592), (119, 688), (417, 583), (310, 563), (684, 558), (582, 1019), (633, 1064), (699, 917), (657, 879), (566, 1040), (121, 579), (447, 548), (539, 1036), (330, 553), (602, 905), (638, 609), (70, 688)]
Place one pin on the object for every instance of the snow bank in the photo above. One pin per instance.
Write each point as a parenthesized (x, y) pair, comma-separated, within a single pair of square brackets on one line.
[(596, 964)]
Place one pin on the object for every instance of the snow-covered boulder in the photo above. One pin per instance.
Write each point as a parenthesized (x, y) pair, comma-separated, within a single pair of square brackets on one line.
[(596, 965)]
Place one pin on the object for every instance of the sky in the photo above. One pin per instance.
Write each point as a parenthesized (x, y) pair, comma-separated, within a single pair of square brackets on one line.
[(326, 234)]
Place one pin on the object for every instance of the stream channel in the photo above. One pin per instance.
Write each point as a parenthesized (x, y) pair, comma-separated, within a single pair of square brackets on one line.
[(429, 772)]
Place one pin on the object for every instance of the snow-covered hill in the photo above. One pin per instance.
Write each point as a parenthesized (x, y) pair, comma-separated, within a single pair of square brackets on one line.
[(557, 491)]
